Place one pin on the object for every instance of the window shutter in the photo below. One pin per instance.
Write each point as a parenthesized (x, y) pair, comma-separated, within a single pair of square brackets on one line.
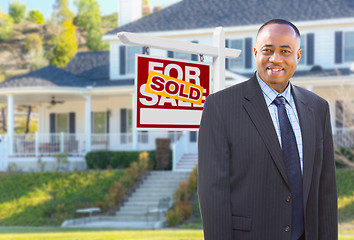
[(194, 57), (193, 136), (227, 45), (123, 120), (107, 120), (338, 47), (248, 53), (72, 122), (310, 48), (52, 123), (170, 54), (122, 59)]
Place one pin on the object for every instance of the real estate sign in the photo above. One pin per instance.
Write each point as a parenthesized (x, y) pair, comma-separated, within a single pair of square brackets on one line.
[(170, 93)]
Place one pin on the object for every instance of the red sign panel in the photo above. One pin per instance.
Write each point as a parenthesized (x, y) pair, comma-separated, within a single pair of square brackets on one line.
[(157, 111)]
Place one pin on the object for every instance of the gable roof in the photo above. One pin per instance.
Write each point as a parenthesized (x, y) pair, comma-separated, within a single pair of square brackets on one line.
[(85, 69), (45, 77), (90, 65), (195, 14)]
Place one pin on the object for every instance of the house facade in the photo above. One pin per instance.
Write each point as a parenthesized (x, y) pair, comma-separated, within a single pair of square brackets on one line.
[(88, 105)]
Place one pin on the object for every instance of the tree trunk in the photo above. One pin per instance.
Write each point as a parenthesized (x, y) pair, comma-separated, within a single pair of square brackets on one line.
[(3, 119), (28, 119)]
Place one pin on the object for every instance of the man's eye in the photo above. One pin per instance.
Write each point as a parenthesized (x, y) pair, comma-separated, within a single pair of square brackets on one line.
[(266, 50), (286, 51)]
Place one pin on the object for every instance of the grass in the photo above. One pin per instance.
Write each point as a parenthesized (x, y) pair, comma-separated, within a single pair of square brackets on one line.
[(345, 185), (104, 234), (48, 198)]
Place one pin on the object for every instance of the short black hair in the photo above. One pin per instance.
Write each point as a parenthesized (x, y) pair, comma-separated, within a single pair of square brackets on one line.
[(280, 21)]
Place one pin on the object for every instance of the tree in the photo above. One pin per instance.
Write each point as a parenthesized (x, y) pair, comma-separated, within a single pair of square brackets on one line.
[(63, 41), (65, 46), (36, 17), (61, 11), (89, 18), (17, 11), (6, 27)]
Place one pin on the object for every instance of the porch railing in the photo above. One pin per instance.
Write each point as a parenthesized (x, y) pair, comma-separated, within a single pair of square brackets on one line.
[(39, 144), (343, 137)]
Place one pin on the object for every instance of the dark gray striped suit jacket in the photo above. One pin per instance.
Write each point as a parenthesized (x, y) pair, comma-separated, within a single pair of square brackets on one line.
[(242, 183)]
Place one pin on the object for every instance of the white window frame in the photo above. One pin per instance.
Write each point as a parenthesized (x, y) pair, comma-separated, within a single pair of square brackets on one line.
[(303, 47), (345, 48), (130, 59), (240, 58)]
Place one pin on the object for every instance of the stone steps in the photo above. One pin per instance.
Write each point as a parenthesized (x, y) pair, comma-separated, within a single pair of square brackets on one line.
[(159, 184)]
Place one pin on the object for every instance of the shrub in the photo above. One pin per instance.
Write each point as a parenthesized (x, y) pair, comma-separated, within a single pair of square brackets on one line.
[(184, 210), (122, 159), (6, 27), (35, 16), (33, 42), (17, 11), (172, 218)]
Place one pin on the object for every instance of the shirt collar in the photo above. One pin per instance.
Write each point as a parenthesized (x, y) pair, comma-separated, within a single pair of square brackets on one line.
[(270, 94)]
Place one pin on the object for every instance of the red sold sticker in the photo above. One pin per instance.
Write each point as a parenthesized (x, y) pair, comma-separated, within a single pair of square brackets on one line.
[(170, 93)]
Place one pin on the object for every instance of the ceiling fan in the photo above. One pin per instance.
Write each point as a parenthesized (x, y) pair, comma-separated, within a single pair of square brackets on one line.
[(54, 102)]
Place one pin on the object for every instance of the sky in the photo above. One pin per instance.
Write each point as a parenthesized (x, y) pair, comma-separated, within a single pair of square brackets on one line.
[(46, 6)]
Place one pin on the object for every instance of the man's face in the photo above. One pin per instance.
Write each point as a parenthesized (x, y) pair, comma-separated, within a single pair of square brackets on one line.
[(277, 54)]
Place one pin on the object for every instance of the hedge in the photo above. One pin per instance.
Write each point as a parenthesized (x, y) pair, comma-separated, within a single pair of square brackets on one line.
[(120, 159)]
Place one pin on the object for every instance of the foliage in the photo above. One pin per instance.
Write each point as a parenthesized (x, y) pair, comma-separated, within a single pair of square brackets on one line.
[(6, 27), (172, 218), (345, 186), (62, 162), (36, 60), (33, 42), (89, 18), (182, 200), (35, 16), (109, 21), (17, 11), (344, 157), (61, 11), (45, 198), (65, 45), (113, 159), (117, 191)]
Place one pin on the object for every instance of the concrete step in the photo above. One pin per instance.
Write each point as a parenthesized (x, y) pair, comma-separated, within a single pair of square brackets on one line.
[(159, 184)]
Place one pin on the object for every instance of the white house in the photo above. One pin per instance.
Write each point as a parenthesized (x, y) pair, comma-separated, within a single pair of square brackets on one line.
[(88, 105)]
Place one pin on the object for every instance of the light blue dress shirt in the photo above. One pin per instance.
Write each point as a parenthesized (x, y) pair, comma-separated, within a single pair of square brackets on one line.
[(269, 95)]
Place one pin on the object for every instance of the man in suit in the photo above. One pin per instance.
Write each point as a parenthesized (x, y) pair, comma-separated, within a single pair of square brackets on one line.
[(266, 163)]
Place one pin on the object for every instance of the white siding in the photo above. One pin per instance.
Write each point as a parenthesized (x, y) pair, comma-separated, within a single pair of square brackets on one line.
[(114, 61)]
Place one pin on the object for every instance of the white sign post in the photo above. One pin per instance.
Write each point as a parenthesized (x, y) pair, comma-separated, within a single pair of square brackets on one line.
[(217, 51)]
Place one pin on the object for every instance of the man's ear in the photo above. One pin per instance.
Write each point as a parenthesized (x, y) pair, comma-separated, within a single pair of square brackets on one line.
[(255, 51), (299, 52)]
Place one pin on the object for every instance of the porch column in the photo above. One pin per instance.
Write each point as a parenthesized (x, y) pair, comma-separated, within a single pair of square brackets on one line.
[(10, 122), (135, 132), (88, 123)]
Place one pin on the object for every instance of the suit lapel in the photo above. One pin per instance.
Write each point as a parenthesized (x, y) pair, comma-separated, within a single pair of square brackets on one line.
[(307, 125), (257, 110)]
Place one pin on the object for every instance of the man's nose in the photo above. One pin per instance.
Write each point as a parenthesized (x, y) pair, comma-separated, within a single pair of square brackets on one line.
[(275, 57)]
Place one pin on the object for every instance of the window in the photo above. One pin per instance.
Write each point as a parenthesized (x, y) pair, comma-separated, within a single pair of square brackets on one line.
[(99, 122), (62, 122), (131, 51), (302, 46), (182, 55), (237, 63), (349, 47)]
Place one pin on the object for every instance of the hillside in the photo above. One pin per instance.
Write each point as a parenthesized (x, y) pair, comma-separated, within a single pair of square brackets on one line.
[(13, 52)]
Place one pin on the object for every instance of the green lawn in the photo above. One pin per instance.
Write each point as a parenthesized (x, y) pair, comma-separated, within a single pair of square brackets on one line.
[(95, 234)]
